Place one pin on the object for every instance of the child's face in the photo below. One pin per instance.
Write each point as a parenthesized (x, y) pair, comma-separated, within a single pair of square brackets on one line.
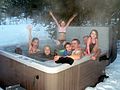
[(35, 43), (62, 24), (68, 47), (93, 34), (47, 50)]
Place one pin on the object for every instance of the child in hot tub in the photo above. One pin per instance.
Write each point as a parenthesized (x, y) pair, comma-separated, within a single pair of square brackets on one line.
[(47, 54), (68, 49), (62, 27), (33, 46), (92, 45)]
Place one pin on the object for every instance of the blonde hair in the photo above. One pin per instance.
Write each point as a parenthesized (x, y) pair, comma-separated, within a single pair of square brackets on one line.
[(47, 46), (94, 30)]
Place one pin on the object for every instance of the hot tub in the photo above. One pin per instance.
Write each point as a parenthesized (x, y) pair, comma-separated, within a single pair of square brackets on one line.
[(38, 75), (47, 75)]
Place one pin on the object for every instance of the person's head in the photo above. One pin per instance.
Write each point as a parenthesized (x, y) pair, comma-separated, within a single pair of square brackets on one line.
[(62, 23), (85, 38), (47, 50), (18, 50), (35, 43), (94, 34), (75, 43), (67, 46)]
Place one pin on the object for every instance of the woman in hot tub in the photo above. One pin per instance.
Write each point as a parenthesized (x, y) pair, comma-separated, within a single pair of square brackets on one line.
[(92, 45), (33, 46)]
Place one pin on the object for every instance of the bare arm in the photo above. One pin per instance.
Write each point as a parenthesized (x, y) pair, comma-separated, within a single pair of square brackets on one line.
[(29, 27), (70, 20), (88, 45), (54, 18), (96, 51), (96, 46), (75, 57)]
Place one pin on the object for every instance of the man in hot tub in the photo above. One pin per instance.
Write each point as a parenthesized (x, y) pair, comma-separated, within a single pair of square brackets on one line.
[(76, 53)]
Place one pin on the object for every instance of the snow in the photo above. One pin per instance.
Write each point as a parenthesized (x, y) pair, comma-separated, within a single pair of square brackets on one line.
[(13, 30), (18, 34), (113, 82)]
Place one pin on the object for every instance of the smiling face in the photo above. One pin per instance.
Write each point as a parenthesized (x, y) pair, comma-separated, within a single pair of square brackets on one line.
[(75, 44), (62, 24), (47, 50), (94, 34), (68, 47), (35, 43)]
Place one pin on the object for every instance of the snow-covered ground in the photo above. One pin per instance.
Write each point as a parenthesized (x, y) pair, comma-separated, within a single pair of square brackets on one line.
[(113, 82)]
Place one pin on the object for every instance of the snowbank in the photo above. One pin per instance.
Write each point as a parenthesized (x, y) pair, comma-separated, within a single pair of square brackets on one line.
[(18, 34), (113, 82), (1, 89)]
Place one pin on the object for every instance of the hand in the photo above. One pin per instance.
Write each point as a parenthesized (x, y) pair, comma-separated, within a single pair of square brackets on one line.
[(75, 14), (84, 53), (50, 13), (56, 58), (57, 42), (29, 27), (93, 58)]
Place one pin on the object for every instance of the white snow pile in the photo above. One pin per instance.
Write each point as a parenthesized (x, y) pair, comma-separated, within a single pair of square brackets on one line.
[(1, 89), (113, 82)]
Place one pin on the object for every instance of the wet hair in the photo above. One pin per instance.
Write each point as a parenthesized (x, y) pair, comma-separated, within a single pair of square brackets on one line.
[(61, 21), (94, 30), (67, 43), (77, 40), (35, 39), (18, 50), (46, 46)]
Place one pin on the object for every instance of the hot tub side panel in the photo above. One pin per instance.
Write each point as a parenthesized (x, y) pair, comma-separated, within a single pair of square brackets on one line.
[(75, 78), (13, 72)]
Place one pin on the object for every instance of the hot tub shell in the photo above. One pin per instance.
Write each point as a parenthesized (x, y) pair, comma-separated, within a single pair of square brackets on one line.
[(34, 75)]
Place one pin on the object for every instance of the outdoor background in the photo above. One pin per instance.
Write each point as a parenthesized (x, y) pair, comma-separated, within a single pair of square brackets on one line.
[(90, 12)]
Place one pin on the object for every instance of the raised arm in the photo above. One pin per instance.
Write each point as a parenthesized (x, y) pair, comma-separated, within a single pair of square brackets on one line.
[(51, 14), (29, 27), (71, 19)]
